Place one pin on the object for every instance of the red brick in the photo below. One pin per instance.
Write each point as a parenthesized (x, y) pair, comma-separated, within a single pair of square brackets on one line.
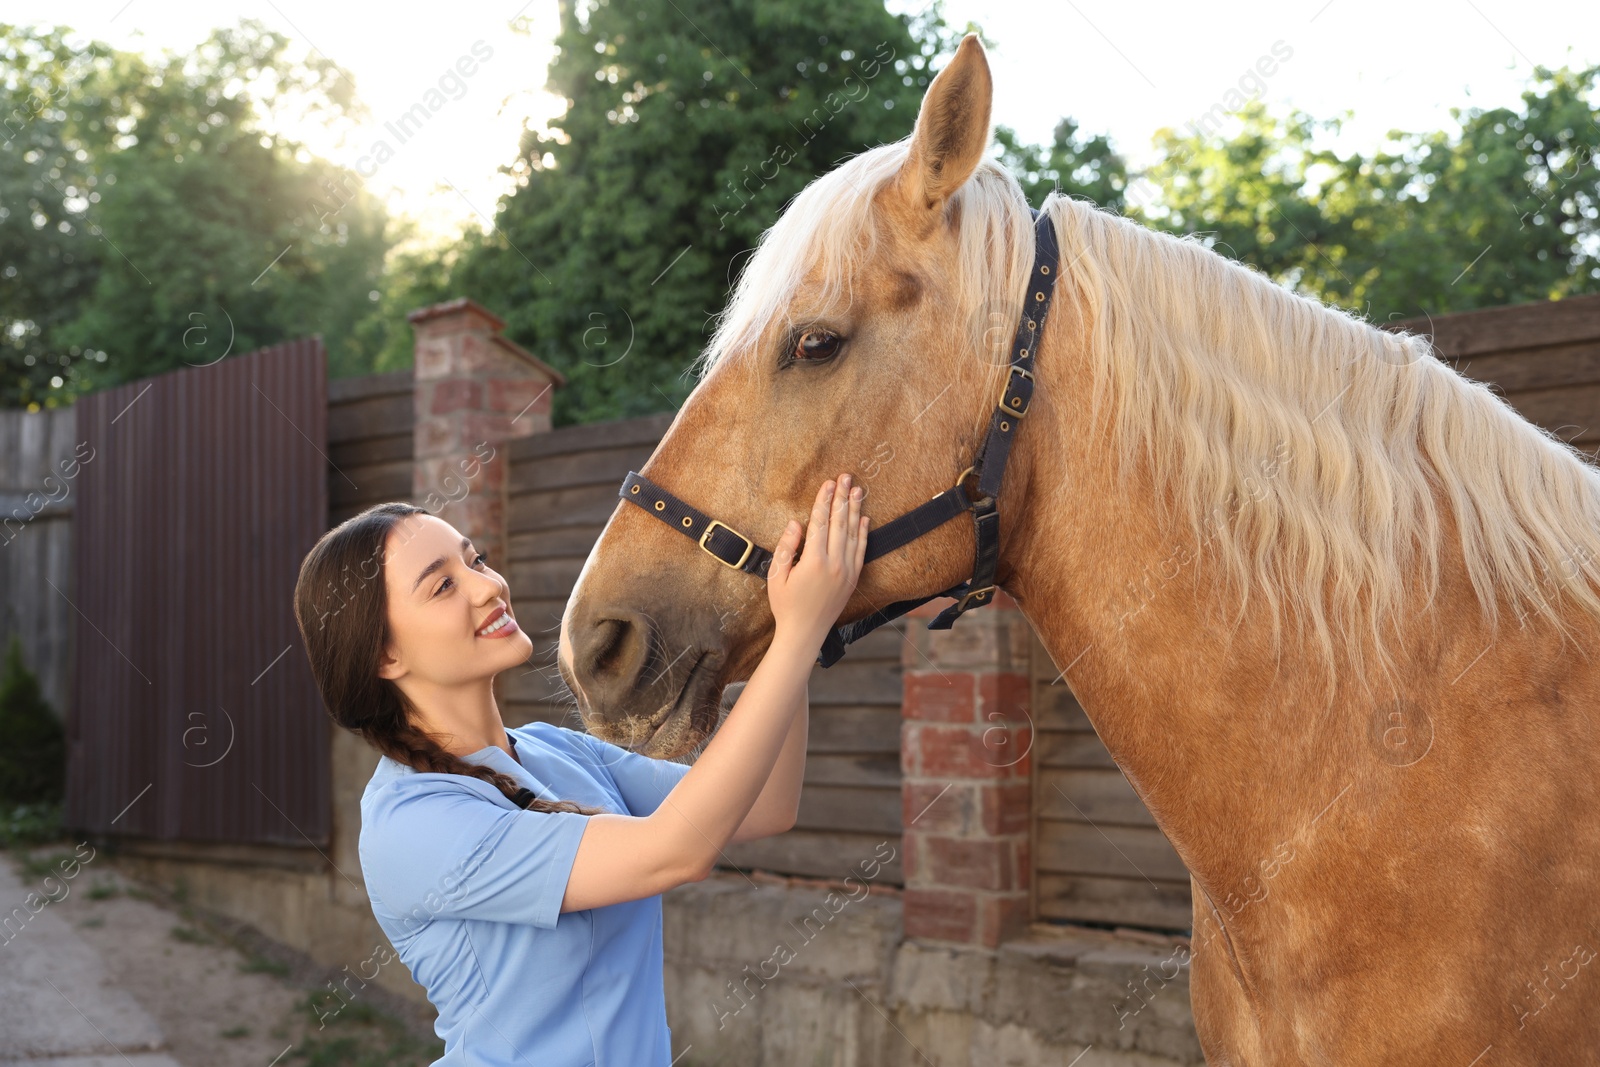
[(1005, 698), (455, 394), (937, 750), (940, 697), (911, 853), (1005, 807), (1001, 917), (491, 426), (947, 915), (435, 435), (490, 475), (514, 395), (940, 808), (1006, 749), (973, 863)]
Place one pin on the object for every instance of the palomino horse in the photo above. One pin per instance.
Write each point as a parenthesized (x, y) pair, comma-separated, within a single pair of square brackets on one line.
[(1329, 604)]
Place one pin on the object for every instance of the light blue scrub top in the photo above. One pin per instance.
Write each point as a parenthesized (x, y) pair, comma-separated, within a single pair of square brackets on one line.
[(468, 889)]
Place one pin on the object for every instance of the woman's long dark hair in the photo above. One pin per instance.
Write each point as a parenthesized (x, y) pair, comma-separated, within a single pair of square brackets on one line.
[(341, 606)]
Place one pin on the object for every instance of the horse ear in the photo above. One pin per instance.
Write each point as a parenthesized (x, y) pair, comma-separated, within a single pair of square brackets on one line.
[(952, 129)]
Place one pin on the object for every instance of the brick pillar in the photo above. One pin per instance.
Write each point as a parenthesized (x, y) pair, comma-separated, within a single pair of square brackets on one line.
[(475, 391), (966, 788)]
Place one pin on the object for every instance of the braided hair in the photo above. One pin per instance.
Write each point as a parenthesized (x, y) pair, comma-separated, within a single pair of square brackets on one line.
[(341, 607)]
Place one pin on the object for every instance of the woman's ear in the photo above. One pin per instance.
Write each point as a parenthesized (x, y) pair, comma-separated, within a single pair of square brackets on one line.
[(389, 665)]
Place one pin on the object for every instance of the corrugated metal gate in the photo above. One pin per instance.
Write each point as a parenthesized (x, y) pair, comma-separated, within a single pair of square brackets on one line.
[(194, 715)]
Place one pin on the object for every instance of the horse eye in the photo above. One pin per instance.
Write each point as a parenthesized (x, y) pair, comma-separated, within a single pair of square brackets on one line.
[(817, 345)]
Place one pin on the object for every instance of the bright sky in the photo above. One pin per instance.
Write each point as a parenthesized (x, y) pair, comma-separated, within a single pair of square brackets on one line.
[(1127, 68)]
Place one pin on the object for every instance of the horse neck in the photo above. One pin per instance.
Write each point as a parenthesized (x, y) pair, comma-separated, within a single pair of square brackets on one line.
[(1229, 752)]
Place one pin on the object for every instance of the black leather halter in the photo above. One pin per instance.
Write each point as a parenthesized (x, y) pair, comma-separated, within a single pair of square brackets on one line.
[(733, 549)]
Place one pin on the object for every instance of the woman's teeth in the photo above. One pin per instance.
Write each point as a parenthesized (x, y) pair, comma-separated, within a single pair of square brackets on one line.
[(499, 624)]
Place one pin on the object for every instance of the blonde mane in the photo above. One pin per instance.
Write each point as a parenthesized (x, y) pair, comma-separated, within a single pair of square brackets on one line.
[(828, 229), (1326, 437)]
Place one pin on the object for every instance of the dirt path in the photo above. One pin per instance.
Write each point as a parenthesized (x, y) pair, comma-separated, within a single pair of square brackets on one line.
[(220, 994)]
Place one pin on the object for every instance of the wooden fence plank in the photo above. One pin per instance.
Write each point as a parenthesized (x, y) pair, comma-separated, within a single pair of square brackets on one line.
[(1124, 901), (820, 854), (863, 808), (1121, 851), (1100, 796), (1519, 326)]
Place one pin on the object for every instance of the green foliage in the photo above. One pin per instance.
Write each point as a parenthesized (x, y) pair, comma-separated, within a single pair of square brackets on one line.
[(689, 124), (33, 751), (1072, 164), (29, 824), (357, 1035), (258, 964), (148, 221), (1506, 212)]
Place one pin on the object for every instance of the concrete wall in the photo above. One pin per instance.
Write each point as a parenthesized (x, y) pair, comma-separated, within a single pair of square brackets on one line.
[(769, 971)]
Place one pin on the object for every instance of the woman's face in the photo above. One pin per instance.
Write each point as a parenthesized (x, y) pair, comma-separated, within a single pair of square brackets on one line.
[(441, 596)]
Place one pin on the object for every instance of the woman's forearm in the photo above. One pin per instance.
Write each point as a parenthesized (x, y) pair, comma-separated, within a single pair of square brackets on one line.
[(704, 810), (778, 804)]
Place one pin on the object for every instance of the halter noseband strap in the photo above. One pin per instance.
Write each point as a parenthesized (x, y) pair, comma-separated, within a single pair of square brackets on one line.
[(732, 549)]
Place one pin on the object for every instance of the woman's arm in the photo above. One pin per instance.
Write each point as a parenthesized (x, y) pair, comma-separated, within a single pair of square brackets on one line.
[(778, 805), (623, 857)]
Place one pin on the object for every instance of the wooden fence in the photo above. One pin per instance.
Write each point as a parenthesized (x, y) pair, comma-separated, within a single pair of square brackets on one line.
[(41, 459), (1543, 358), (370, 427)]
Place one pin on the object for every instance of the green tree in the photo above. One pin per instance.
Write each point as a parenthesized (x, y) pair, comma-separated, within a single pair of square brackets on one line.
[(689, 124), (148, 220), (33, 753), (1071, 163), (1506, 211)]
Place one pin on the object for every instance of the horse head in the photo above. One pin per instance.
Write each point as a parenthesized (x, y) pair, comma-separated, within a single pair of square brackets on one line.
[(867, 334)]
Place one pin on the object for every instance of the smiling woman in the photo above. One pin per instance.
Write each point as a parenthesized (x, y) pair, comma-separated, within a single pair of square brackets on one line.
[(486, 886), (405, 667)]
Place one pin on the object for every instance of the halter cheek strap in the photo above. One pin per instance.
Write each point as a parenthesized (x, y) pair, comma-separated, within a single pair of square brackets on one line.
[(733, 549)]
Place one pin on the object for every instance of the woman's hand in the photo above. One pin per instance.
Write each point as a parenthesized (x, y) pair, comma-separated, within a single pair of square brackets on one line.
[(807, 595)]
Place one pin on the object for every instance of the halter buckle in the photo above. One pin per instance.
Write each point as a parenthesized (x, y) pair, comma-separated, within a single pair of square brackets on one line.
[(749, 545), (1005, 401), (983, 595)]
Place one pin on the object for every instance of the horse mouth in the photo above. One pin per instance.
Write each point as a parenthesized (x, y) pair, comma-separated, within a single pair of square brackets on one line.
[(692, 715)]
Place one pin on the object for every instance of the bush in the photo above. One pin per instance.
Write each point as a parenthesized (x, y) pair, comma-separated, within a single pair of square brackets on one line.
[(33, 745), (29, 824)]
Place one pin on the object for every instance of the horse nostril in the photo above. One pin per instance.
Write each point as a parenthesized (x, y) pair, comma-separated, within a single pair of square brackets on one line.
[(609, 655), (611, 640)]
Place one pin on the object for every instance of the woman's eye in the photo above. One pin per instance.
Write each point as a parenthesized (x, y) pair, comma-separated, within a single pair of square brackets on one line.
[(816, 345), (479, 558)]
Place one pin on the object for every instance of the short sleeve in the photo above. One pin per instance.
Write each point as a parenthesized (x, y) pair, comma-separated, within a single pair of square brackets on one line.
[(643, 782), (450, 853)]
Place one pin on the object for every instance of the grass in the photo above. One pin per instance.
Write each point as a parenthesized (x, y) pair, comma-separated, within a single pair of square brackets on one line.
[(236, 1031), (261, 965), (358, 1035), (191, 935)]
